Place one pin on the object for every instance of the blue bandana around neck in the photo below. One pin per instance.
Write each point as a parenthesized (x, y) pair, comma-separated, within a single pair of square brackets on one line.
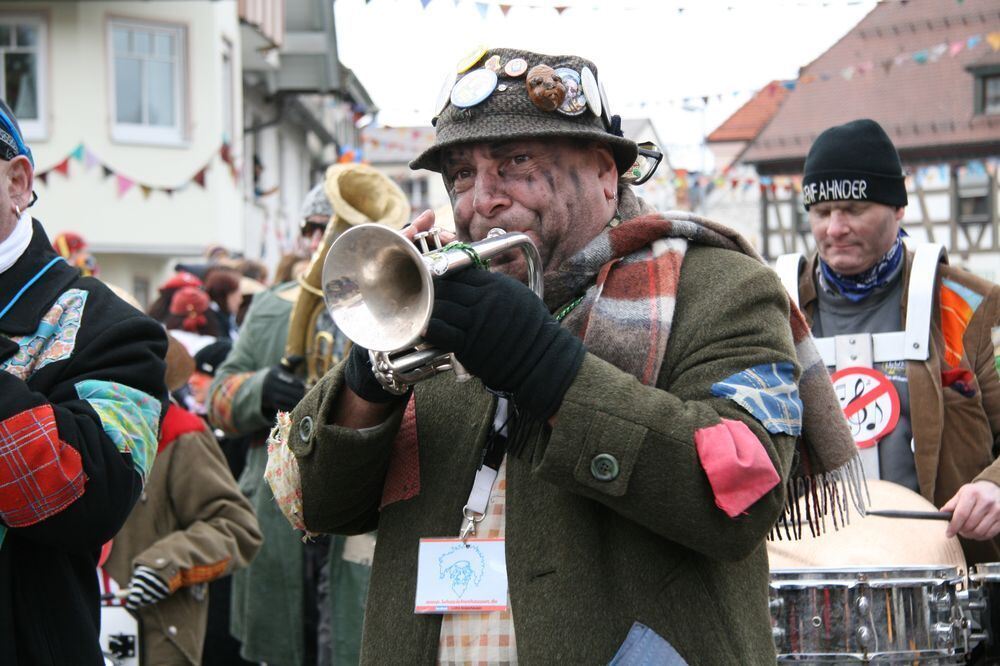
[(856, 288)]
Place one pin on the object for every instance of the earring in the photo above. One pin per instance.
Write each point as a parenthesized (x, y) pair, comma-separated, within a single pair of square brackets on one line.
[(17, 209)]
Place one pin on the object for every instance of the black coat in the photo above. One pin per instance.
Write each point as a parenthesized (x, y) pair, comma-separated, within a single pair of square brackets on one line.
[(70, 352)]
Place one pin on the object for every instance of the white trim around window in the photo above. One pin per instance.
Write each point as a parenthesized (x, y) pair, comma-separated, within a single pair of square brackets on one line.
[(147, 72), (24, 45)]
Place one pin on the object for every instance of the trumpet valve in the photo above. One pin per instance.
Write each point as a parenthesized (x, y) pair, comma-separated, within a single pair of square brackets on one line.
[(433, 235)]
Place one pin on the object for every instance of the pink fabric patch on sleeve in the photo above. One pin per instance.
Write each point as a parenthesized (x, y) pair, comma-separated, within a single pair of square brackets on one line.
[(737, 465)]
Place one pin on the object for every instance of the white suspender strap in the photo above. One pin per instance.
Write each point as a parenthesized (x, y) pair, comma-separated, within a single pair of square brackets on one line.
[(787, 266), (920, 300)]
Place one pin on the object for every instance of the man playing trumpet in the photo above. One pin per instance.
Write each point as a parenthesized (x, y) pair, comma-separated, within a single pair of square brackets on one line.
[(626, 440)]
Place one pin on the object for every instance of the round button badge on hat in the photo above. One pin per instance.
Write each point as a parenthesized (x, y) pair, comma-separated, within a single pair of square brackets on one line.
[(473, 88), (516, 67), (590, 90), (493, 64), (445, 93), (605, 109), (576, 100), (471, 58)]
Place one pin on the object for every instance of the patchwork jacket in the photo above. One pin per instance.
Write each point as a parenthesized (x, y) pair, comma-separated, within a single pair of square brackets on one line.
[(612, 520), (81, 389), (955, 394)]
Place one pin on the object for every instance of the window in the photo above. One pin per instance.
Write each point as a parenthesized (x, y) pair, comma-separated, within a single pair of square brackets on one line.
[(147, 72), (991, 94), (22, 52)]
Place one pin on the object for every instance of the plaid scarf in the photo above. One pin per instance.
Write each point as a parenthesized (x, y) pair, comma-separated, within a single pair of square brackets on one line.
[(629, 276)]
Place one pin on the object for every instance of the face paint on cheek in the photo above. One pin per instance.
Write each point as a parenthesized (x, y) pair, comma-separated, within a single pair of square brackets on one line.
[(550, 179)]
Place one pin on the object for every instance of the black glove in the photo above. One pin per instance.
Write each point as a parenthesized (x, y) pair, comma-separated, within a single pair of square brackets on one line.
[(282, 390), (360, 378), (503, 334)]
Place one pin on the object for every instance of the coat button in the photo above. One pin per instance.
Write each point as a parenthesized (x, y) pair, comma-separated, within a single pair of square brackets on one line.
[(172, 630), (305, 428), (160, 562), (604, 467)]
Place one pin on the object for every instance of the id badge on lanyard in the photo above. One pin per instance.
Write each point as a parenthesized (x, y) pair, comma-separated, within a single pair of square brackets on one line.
[(468, 574)]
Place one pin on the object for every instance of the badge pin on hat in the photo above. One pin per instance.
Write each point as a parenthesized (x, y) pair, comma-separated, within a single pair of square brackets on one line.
[(473, 88)]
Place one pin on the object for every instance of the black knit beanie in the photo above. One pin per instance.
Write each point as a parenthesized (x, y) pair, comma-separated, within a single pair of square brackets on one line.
[(854, 161)]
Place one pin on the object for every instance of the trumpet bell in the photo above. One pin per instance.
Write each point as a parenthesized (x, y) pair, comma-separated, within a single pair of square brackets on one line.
[(376, 288)]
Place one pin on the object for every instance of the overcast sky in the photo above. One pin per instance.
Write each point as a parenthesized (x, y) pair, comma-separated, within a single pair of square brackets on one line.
[(651, 54)]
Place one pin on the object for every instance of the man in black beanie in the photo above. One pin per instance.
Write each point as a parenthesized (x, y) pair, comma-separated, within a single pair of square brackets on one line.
[(922, 326)]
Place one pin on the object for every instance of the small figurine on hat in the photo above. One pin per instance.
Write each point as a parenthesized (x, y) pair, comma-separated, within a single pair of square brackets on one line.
[(546, 88)]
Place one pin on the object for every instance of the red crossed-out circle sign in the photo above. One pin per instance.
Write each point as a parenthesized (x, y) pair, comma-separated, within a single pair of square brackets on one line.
[(870, 403)]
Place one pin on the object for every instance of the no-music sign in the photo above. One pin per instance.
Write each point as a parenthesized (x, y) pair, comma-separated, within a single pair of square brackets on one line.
[(870, 403)]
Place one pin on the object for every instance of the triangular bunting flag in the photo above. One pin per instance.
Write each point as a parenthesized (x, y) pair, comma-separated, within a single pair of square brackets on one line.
[(225, 153), (146, 191), (955, 48), (482, 7), (425, 3), (920, 57), (169, 191), (43, 176), (886, 64), (62, 167), (89, 160), (107, 171), (561, 8), (505, 9), (994, 39), (200, 177), (77, 153), (973, 42), (124, 184)]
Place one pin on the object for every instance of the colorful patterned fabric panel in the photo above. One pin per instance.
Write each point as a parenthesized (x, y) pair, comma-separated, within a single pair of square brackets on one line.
[(222, 401), (130, 418), (769, 393), (40, 475), (53, 341), (958, 304)]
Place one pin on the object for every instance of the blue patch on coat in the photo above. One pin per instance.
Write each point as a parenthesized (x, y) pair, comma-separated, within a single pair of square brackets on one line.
[(645, 647), (769, 393)]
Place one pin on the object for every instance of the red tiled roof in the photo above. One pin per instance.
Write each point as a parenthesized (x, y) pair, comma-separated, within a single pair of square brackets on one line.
[(927, 109), (748, 120)]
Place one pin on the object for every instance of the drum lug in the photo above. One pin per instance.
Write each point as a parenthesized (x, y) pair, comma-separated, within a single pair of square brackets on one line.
[(863, 605), (778, 634), (945, 633), (776, 604)]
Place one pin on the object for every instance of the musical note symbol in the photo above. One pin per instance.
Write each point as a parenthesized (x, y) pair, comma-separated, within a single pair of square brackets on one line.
[(858, 419)]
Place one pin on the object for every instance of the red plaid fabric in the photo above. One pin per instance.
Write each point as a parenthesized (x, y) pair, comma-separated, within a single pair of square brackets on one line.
[(402, 479), (40, 475)]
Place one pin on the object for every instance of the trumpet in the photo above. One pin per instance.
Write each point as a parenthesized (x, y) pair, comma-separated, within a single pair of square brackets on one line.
[(379, 290)]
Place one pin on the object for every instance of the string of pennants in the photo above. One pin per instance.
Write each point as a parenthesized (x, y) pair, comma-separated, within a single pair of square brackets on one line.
[(124, 184), (936, 174), (930, 54), (484, 7)]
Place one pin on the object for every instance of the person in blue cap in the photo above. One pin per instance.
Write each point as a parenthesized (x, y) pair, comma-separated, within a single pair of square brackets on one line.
[(82, 386)]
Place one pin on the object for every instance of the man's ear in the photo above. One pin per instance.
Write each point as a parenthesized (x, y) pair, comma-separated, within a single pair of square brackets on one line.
[(605, 161), (20, 181)]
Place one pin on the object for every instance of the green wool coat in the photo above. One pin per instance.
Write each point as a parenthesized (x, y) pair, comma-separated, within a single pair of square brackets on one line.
[(585, 558)]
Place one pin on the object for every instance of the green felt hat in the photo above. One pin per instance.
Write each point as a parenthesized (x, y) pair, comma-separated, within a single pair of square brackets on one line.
[(489, 100)]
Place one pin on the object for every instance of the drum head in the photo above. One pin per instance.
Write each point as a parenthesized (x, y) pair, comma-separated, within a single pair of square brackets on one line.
[(874, 541)]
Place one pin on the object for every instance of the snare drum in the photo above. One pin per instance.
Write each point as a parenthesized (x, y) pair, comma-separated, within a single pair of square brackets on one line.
[(865, 615)]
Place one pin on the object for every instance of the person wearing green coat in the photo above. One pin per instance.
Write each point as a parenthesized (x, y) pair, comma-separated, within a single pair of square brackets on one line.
[(269, 613), (638, 422)]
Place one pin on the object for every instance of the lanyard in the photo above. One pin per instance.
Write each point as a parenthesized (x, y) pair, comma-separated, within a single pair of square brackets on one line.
[(27, 285), (482, 487)]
